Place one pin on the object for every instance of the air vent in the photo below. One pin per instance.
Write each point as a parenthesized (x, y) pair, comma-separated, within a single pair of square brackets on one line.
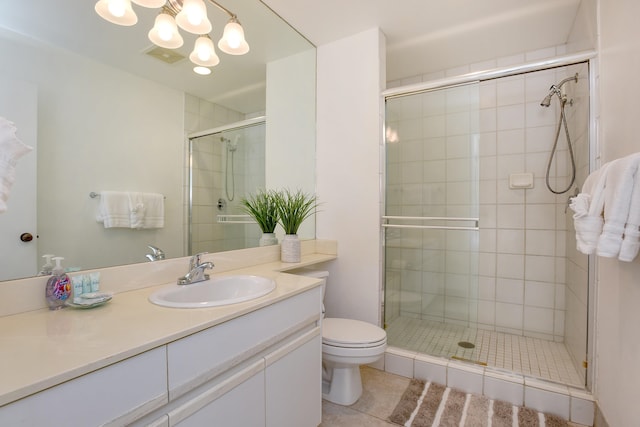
[(165, 55)]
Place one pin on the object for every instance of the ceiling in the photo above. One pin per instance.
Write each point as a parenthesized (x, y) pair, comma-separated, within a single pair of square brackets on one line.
[(421, 35), (447, 33)]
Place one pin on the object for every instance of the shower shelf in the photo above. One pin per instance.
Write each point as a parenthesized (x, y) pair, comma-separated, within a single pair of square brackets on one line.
[(235, 219), (475, 221)]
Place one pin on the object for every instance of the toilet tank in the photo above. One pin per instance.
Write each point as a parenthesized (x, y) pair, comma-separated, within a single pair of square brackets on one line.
[(309, 272)]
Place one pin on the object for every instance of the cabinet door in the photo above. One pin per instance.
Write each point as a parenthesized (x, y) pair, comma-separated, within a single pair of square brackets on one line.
[(237, 401), (294, 383)]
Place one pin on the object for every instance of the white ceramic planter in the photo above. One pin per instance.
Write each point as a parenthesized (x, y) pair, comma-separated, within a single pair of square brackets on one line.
[(268, 239), (290, 248)]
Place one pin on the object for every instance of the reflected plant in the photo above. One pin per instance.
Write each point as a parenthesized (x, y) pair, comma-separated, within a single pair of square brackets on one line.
[(263, 207)]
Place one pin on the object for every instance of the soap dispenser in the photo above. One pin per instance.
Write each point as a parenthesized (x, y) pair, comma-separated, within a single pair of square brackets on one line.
[(47, 268), (58, 288)]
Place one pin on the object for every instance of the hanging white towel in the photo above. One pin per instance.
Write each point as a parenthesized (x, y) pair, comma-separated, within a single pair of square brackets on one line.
[(589, 207), (631, 239), (154, 210), (11, 149), (618, 188), (114, 209), (136, 210)]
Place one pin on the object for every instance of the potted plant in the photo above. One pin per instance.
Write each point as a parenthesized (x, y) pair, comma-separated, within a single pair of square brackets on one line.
[(263, 208), (293, 209)]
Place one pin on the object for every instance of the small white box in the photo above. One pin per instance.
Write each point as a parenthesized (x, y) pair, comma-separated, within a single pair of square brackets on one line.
[(521, 180)]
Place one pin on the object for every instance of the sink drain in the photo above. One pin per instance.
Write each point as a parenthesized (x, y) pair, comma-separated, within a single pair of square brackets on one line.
[(466, 344)]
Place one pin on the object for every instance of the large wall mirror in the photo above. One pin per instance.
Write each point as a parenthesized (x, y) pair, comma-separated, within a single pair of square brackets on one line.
[(104, 113)]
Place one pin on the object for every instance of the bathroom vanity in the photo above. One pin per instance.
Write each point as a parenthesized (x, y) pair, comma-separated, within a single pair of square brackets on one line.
[(129, 362)]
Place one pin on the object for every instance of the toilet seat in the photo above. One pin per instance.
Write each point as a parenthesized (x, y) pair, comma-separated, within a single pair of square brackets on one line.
[(350, 333)]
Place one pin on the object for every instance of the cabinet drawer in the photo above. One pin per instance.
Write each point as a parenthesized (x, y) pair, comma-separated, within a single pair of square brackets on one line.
[(115, 395), (196, 359)]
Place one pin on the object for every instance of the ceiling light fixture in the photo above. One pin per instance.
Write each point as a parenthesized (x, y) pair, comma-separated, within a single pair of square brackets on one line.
[(191, 16)]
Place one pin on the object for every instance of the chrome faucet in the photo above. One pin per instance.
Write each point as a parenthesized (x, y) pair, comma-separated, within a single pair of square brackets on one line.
[(156, 255), (196, 270)]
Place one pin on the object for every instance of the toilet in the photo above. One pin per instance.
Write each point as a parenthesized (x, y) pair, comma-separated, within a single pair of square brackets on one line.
[(346, 344)]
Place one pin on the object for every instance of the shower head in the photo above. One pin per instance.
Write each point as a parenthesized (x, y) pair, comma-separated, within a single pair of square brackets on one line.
[(547, 99), (557, 90)]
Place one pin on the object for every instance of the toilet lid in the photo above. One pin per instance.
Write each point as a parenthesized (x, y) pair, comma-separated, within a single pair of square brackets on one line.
[(351, 333)]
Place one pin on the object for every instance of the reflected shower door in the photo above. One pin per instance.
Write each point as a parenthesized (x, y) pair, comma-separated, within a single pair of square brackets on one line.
[(431, 220)]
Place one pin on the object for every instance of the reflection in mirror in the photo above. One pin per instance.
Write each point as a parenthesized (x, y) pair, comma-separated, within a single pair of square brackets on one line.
[(104, 115)]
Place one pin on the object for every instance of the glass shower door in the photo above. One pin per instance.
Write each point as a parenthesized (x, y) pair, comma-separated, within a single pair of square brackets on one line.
[(431, 221)]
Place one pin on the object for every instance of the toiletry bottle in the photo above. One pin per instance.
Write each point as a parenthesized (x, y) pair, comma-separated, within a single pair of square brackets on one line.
[(76, 281), (48, 266), (58, 288)]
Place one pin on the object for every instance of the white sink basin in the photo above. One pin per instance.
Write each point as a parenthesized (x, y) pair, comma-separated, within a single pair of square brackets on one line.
[(214, 292)]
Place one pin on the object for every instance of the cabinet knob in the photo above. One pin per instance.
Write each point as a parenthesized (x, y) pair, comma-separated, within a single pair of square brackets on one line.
[(26, 237)]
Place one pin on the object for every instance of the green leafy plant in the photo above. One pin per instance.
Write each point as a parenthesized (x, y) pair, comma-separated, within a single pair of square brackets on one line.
[(294, 208), (263, 207)]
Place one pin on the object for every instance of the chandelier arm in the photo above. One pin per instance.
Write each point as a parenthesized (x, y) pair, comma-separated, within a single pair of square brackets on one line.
[(176, 6), (224, 9)]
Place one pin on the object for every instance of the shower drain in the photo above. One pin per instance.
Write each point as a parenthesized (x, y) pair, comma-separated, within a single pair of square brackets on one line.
[(466, 344)]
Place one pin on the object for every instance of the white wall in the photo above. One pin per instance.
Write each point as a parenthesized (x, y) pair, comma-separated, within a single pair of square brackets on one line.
[(618, 288), (350, 78), (100, 129), (290, 132)]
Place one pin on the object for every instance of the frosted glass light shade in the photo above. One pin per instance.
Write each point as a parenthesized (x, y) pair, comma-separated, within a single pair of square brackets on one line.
[(203, 71), (165, 32), (117, 12), (150, 3), (193, 17), (232, 41), (204, 53)]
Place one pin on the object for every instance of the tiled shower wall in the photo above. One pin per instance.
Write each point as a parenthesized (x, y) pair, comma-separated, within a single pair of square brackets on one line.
[(209, 177), (523, 234)]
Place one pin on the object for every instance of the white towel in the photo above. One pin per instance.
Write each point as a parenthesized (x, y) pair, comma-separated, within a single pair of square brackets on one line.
[(588, 207), (136, 210), (154, 210), (618, 188), (114, 209), (631, 240), (11, 149)]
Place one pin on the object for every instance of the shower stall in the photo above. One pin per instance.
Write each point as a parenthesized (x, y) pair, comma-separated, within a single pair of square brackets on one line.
[(225, 164), (480, 260)]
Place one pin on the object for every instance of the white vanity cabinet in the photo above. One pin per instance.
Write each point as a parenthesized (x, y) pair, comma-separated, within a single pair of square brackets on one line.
[(115, 395), (261, 369)]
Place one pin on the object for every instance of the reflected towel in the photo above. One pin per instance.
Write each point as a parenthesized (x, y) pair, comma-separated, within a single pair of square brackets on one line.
[(136, 210), (11, 149), (618, 188), (114, 209), (154, 210), (631, 240)]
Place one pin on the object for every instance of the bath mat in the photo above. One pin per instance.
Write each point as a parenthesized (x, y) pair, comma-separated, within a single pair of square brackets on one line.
[(426, 404)]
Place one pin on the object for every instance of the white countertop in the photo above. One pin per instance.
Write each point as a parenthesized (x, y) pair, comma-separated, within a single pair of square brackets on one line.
[(40, 349)]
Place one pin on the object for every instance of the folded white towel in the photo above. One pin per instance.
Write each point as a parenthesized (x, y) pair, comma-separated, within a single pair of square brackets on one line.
[(154, 210), (618, 188), (114, 209), (631, 239), (11, 149), (588, 207), (136, 210)]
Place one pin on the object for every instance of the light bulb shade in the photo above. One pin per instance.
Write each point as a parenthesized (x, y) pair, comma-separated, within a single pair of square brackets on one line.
[(193, 17), (150, 3), (165, 32), (117, 12), (203, 71), (204, 53), (232, 41)]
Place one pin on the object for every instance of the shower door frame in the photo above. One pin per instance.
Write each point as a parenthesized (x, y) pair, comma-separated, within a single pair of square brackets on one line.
[(243, 124), (589, 57)]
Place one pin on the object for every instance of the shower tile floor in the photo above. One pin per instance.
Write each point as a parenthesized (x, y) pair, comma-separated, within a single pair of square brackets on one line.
[(528, 356)]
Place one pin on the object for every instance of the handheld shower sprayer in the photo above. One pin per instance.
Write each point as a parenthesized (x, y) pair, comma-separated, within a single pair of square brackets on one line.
[(557, 90)]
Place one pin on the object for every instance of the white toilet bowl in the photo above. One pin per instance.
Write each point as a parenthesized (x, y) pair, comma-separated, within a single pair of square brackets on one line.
[(346, 344)]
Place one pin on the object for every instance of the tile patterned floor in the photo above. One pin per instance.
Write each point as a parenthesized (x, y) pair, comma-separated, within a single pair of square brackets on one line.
[(528, 356), (381, 393)]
